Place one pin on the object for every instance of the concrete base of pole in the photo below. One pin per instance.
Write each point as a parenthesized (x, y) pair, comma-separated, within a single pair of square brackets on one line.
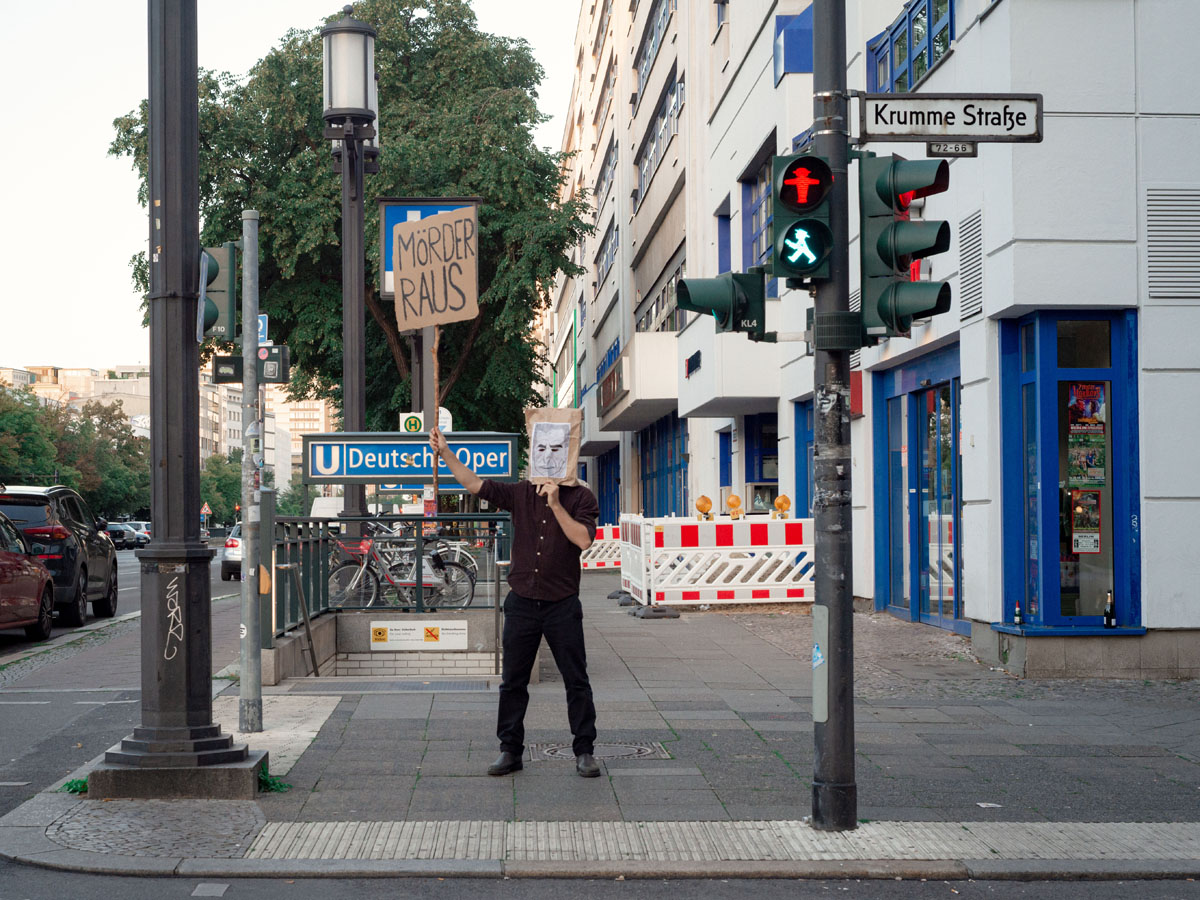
[(225, 781), (655, 612), (250, 715), (617, 595), (835, 807), (157, 748)]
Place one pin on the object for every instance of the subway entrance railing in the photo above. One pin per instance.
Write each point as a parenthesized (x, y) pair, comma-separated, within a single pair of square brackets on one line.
[(394, 563)]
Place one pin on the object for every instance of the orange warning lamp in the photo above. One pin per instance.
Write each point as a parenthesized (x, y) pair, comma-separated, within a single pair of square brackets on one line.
[(782, 505), (734, 502), (703, 506)]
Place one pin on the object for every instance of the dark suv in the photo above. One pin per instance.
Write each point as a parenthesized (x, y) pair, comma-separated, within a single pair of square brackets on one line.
[(63, 534)]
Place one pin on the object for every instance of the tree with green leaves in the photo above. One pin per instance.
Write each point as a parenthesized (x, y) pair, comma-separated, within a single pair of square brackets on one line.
[(221, 485), (92, 450), (457, 108), (27, 454)]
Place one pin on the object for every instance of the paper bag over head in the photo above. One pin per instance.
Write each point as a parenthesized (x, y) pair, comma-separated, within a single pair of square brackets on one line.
[(553, 444)]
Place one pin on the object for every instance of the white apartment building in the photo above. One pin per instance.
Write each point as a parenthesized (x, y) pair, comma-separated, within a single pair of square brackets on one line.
[(295, 418), (1008, 453)]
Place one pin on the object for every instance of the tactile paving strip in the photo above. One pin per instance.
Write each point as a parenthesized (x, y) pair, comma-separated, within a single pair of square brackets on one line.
[(743, 840)]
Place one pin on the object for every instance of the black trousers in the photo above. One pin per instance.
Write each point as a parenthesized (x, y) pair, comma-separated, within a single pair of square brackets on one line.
[(525, 622)]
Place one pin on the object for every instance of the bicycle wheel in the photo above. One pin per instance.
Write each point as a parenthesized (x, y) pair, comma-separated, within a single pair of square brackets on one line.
[(352, 585), (457, 589)]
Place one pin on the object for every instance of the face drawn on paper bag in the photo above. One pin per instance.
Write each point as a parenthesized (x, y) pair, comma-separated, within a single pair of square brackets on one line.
[(549, 449), (553, 444)]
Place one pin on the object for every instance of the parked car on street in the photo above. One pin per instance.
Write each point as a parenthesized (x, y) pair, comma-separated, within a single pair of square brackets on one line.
[(64, 534), (26, 588), (231, 556), (125, 537), (140, 528)]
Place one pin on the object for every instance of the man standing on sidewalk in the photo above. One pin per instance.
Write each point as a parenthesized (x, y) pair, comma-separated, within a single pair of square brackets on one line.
[(552, 525)]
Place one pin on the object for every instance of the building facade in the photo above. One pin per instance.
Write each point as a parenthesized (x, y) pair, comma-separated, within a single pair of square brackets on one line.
[(1019, 463)]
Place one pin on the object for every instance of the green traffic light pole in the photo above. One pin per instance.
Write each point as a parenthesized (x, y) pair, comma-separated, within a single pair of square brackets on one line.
[(836, 331)]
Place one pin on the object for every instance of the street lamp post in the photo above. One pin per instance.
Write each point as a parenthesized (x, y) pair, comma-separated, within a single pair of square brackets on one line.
[(350, 103)]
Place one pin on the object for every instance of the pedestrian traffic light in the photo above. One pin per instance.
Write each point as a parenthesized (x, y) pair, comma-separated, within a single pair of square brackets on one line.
[(218, 291), (800, 234), (889, 242), (737, 301)]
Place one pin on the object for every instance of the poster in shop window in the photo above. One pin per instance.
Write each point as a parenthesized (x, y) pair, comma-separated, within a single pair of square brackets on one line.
[(1087, 457), (1085, 521)]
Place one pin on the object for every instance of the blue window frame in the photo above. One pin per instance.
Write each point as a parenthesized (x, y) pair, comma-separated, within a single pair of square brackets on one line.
[(725, 458), (804, 458), (900, 56), (662, 446), (608, 478), (724, 244), (757, 215), (762, 448), (1056, 566)]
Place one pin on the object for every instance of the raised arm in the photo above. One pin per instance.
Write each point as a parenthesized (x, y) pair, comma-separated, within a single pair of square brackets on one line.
[(462, 474)]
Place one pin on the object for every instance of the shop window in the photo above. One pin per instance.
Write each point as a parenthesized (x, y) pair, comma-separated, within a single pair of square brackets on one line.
[(1075, 482)]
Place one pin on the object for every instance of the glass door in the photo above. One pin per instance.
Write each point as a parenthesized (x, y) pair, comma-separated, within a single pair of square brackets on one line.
[(898, 540), (938, 508)]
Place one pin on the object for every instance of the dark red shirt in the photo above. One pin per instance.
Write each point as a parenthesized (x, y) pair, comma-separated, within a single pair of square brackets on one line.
[(545, 564)]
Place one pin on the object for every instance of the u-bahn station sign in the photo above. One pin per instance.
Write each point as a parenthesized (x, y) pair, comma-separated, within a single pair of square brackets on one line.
[(1011, 118), (385, 458)]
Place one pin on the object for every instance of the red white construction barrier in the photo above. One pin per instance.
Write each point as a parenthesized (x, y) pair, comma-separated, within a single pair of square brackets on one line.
[(675, 561), (605, 552)]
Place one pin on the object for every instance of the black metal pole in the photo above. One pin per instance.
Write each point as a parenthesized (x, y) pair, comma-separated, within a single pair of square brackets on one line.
[(177, 728), (835, 795), (354, 325)]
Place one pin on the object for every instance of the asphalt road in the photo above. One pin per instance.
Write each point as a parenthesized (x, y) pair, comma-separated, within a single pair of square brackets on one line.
[(36, 884)]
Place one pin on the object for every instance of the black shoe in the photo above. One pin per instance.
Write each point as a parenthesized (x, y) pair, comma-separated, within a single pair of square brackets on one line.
[(506, 763), (586, 765)]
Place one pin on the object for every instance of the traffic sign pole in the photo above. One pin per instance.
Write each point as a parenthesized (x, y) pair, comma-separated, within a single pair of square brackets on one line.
[(834, 793), (250, 678)]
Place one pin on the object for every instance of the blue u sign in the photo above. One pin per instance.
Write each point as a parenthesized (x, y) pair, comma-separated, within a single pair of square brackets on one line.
[(387, 458)]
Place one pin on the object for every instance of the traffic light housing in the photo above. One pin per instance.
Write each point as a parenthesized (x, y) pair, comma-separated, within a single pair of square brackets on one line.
[(737, 301), (802, 192), (218, 291), (889, 242)]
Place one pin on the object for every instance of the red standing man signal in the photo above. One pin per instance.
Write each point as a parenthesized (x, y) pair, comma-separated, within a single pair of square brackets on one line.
[(801, 179)]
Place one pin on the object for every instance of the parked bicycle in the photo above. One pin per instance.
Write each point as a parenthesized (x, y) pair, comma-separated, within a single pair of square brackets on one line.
[(382, 571), (451, 550)]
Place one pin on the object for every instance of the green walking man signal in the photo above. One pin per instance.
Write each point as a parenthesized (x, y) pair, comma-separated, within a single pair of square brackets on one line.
[(802, 197)]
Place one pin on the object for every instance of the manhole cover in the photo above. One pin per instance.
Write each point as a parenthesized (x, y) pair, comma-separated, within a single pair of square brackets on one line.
[(626, 750)]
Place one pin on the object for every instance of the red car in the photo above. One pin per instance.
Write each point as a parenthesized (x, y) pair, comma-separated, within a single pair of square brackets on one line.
[(26, 588)]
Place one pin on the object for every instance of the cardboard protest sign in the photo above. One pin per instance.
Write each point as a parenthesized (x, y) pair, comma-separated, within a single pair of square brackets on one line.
[(435, 269), (553, 444)]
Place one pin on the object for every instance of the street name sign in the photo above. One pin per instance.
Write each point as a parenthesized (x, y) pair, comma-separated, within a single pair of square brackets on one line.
[(389, 458), (1010, 118)]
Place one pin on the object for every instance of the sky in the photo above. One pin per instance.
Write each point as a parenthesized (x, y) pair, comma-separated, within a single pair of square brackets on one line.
[(72, 220)]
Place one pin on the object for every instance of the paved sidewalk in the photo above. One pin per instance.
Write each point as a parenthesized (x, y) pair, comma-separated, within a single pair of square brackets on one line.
[(705, 726)]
